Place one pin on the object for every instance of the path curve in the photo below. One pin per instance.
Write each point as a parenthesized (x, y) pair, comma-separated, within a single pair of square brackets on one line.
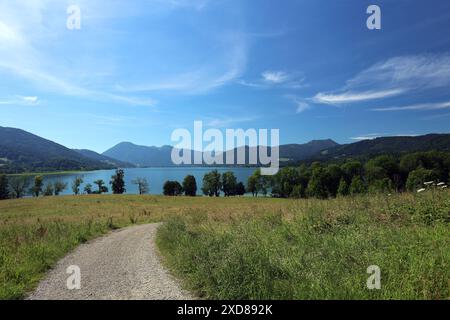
[(121, 265)]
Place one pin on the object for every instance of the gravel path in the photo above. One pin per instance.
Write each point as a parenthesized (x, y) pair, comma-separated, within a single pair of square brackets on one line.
[(121, 265)]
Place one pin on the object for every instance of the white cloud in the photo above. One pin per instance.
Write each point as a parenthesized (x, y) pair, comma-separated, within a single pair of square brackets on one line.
[(349, 97), (20, 100), (393, 77), (275, 76), (422, 106), (372, 136), (31, 100), (281, 79), (369, 136)]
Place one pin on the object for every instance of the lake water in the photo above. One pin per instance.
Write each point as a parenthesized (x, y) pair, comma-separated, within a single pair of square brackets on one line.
[(156, 177)]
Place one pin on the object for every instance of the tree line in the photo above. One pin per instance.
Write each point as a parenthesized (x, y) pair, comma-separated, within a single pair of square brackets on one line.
[(385, 173), (20, 186)]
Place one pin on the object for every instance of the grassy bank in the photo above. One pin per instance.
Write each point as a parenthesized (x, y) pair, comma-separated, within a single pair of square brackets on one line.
[(313, 249), (35, 233)]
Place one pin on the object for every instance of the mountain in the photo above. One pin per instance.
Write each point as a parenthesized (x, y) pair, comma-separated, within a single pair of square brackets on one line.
[(296, 152), (141, 156), (386, 145), (144, 156), (104, 159), (21, 151)]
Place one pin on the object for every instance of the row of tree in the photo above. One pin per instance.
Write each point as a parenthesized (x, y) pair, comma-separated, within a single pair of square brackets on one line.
[(384, 173), (213, 184), (17, 187)]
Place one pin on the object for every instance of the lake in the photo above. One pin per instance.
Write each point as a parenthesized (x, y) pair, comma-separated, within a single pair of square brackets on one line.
[(156, 177)]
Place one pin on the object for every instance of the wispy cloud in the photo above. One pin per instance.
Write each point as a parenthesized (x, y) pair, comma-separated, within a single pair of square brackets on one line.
[(24, 27), (349, 97), (372, 136), (228, 121), (21, 100), (419, 107), (300, 103), (369, 136), (270, 79), (393, 77), (203, 78)]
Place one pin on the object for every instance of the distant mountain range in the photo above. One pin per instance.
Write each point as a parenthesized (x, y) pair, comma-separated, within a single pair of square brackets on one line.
[(153, 156), (21, 151)]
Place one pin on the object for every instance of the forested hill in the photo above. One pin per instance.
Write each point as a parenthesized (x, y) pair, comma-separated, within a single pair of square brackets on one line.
[(21, 151), (386, 145)]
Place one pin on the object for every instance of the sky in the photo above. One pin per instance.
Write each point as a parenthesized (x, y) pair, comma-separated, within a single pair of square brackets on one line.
[(137, 70)]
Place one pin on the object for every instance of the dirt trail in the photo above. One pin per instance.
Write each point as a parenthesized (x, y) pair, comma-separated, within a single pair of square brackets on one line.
[(121, 265)]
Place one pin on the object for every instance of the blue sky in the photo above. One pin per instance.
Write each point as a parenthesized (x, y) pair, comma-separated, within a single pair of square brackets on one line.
[(137, 70)]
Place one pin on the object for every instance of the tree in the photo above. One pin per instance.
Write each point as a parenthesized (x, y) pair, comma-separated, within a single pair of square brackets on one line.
[(212, 184), (36, 190), (172, 188), (229, 184), (343, 188), (88, 188), (297, 192), (317, 186), (333, 175), (142, 184), (417, 177), (265, 183), (19, 185), (4, 191), (382, 185), (190, 186), (117, 182), (285, 181), (352, 169), (48, 191), (240, 189), (101, 187), (383, 168), (252, 185), (76, 185), (59, 187), (357, 186)]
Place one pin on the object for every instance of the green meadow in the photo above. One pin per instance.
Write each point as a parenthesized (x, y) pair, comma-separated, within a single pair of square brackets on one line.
[(248, 248)]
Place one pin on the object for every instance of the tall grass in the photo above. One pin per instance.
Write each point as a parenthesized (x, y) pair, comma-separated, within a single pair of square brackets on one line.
[(244, 247), (313, 249), (35, 233)]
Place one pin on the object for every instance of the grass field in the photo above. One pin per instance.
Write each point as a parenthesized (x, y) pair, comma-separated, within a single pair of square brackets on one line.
[(245, 247)]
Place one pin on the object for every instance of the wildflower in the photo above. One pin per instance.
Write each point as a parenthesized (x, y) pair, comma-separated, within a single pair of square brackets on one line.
[(420, 190)]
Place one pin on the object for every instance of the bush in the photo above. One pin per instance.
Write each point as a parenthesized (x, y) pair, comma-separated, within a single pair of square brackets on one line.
[(172, 188)]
